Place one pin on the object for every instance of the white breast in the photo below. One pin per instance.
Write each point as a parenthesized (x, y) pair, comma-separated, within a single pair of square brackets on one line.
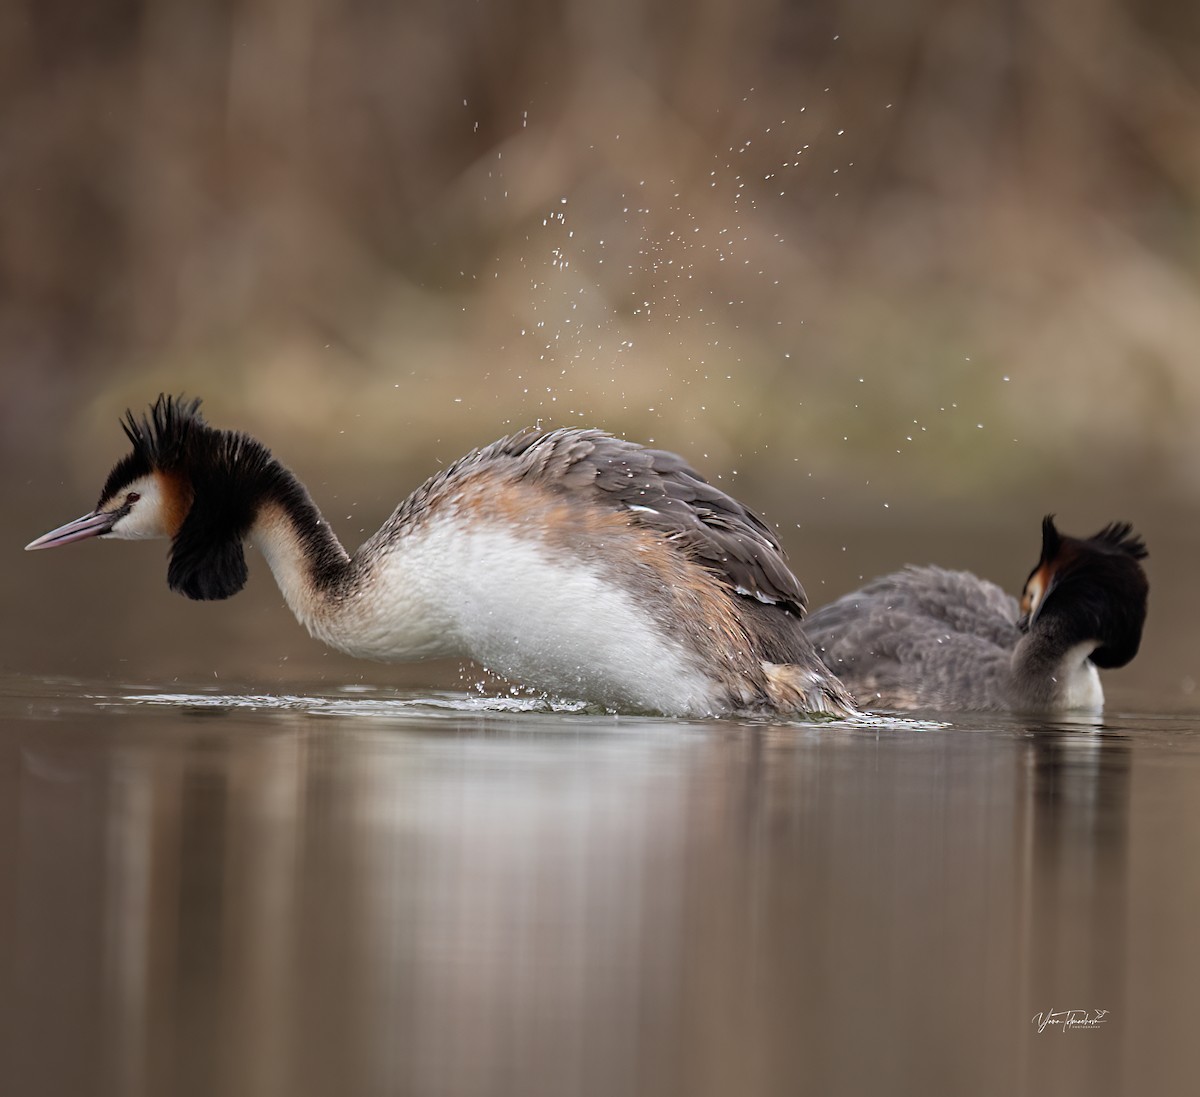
[(513, 605), (1080, 680)]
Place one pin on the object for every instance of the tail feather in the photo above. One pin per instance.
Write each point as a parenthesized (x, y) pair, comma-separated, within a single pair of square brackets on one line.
[(794, 688)]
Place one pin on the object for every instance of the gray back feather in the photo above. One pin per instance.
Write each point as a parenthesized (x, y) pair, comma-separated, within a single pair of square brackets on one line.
[(921, 637), (659, 490)]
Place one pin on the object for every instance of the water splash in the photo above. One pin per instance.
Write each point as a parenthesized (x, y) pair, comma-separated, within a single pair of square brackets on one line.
[(346, 704)]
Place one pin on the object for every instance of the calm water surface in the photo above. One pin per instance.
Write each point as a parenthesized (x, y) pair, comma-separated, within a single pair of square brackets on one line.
[(371, 892)]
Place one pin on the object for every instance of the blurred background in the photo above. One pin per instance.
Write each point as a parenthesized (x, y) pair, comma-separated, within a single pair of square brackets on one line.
[(905, 276)]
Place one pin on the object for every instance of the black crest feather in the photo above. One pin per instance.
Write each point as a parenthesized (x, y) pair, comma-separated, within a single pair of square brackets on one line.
[(160, 441), (207, 570), (1119, 537), (230, 475), (1051, 538)]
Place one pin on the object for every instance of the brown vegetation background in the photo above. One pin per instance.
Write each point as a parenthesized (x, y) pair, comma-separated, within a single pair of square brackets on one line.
[(914, 262)]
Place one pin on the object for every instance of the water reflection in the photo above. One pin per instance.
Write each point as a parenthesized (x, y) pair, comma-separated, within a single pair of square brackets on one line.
[(262, 901), (1077, 803)]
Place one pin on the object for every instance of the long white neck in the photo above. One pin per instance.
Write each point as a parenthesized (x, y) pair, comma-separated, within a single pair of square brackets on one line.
[(286, 539), (364, 605)]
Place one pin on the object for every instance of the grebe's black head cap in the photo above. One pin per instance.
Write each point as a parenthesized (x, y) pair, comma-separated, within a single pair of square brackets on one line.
[(161, 439), (214, 497), (1098, 581)]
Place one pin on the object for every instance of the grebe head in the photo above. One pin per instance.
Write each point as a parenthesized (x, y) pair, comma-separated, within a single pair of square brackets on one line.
[(1097, 582), (167, 488)]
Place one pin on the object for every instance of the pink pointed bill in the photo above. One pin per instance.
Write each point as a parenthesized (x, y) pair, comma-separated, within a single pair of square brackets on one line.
[(89, 525)]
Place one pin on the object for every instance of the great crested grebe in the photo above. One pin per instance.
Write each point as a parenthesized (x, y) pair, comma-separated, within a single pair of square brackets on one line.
[(571, 561), (927, 638)]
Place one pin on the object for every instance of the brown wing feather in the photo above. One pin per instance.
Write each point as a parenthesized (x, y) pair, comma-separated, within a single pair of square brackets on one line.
[(659, 491), (662, 492)]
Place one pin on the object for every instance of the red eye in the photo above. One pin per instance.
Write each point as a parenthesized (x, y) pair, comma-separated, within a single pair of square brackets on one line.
[(132, 497)]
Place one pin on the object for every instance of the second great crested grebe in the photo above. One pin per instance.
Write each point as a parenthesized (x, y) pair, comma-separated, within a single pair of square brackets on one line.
[(927, 638), (568, 560)]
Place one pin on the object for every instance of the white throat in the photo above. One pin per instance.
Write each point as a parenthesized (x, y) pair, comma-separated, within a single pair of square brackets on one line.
[(1079, 680)]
